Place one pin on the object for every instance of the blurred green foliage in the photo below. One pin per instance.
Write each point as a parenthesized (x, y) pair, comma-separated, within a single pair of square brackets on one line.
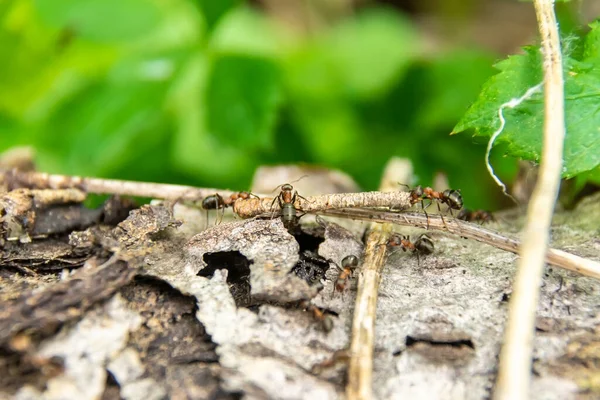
[(204, 91)]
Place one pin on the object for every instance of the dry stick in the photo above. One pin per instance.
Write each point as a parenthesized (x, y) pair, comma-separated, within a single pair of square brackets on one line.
[(252, 207), (555, 257), (245, 208), (360, 369), (109, 186), (514, 373)]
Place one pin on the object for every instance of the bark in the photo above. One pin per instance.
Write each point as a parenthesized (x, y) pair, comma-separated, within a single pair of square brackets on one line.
[(175, 309)]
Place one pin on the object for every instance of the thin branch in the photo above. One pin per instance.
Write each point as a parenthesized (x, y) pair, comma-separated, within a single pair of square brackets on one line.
[(514, 374), (555, 257), (252, 207), (360, 369), (38, 180), (245, 208)]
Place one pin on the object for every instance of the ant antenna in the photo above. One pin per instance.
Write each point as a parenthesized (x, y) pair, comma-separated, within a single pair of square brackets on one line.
[(287, 183)]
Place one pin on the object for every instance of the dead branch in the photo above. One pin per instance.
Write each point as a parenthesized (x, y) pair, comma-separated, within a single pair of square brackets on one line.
[(252, 207), (555, 257), (36, 180)]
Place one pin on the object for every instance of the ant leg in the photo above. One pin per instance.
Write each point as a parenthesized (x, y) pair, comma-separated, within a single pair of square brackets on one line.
[(425, 212), (441, 215), (206, 219), (272, 203)]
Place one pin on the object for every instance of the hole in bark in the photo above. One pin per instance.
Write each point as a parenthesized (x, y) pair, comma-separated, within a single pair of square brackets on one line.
[(412, 341), (238, 276), (311, 266), (234, 262), (442, 348)]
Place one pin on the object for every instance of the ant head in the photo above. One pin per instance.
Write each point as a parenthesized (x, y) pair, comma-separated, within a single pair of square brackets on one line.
[(287, 186), (418, 191), (350, 262)]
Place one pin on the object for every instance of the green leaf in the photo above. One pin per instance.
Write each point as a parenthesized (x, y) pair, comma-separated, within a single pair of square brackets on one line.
[(242, 99), (98, 129), (523, 131), (101, 20), (450, 83), (196, 152), (371, 51)]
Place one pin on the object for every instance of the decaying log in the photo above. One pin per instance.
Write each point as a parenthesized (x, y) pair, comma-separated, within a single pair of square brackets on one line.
[(195, 310)]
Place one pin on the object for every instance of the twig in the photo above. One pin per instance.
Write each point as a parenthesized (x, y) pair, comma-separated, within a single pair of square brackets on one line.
[(252, 207), (15, 179), (360, 369), (245, 208), (555, 257), (514, 374)]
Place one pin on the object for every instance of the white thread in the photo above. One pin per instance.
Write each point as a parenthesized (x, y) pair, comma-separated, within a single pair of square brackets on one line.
[(512, 103)]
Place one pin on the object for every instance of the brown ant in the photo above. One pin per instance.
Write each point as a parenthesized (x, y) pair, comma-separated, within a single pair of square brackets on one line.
[(480, 216), (423, 245), (452, 198), (214, 202), (319, 315), (349, 264), (286, 199)]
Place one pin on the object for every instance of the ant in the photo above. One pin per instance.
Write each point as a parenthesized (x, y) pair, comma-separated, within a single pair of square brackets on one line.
[(286, 199), (214, 202), (452, 198), (423, 244), (480, 216), (319, 315), (349, 264)]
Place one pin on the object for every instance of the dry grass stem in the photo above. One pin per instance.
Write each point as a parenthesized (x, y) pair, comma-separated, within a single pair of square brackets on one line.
[(360, 369), (461, 228), (514, 374)]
